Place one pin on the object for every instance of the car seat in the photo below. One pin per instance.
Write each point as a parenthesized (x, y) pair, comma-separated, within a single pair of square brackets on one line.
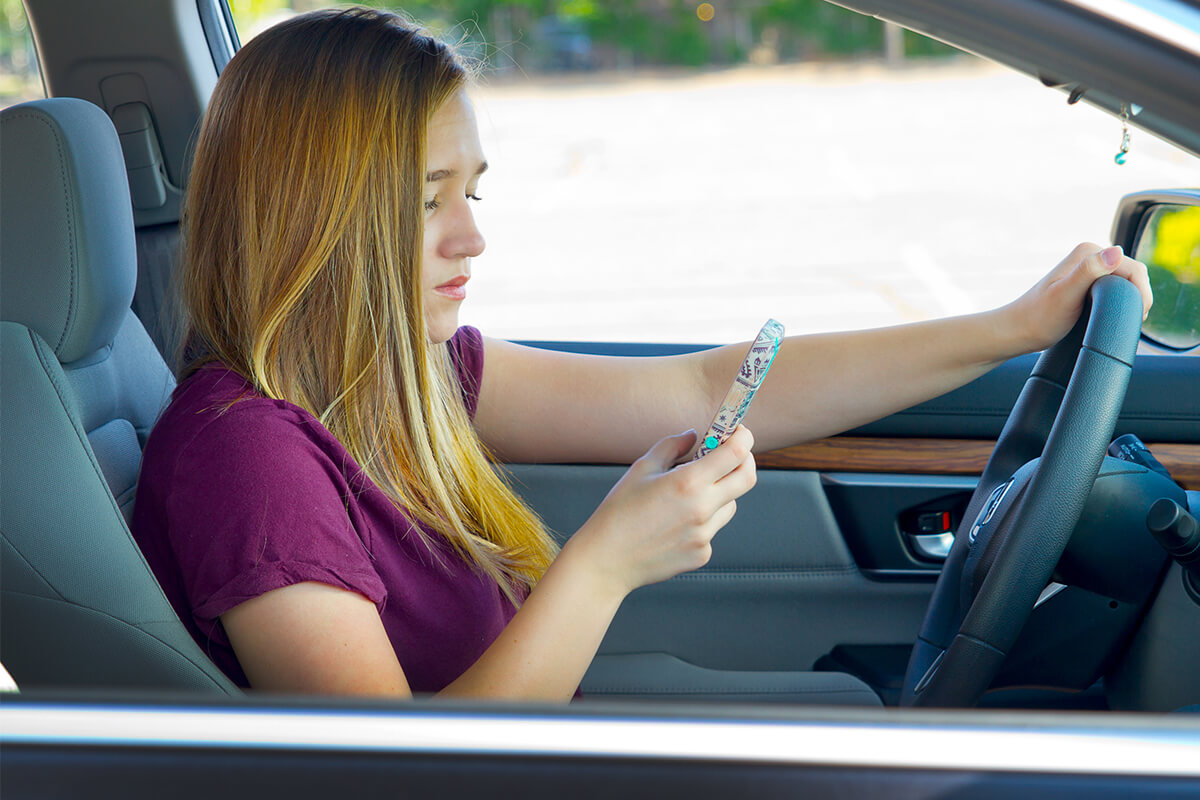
[(82, 386)]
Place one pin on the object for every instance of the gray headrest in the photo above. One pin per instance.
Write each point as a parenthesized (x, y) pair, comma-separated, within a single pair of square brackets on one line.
[(68, 261)]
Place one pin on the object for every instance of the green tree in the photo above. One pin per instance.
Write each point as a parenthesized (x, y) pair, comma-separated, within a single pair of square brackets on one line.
[(638, 31), (20, 79)]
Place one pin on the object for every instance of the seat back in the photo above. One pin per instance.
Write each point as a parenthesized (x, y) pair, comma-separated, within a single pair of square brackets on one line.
[(82, 386)]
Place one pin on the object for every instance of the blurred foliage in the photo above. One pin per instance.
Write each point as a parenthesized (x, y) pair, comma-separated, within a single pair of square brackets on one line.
[(1176, 235), (565, 34), (556, 34), (811, 28), (19, 77), (1170, 246)]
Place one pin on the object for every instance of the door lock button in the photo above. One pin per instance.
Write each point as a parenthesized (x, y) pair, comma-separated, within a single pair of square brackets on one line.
[(933, 522)]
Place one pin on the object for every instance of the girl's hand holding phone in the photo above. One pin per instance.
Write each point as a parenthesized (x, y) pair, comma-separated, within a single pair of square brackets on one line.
[(659, 519)]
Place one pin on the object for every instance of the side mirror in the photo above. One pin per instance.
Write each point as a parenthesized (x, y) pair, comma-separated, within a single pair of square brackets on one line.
[(1162, 230)]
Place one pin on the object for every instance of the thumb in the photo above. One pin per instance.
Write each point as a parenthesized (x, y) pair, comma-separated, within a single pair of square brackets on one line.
[(1113, 262), (1090, 269), (1102, 262), (665, 452)]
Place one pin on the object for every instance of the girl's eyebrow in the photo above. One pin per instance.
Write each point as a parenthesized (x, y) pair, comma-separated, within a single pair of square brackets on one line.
[(443, 174)]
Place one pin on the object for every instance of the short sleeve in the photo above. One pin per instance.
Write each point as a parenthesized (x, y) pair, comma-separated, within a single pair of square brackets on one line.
[(256, 504), (466, 353)]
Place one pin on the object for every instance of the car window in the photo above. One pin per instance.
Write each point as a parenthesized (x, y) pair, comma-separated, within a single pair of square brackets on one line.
[(828, 188), (20, 78)]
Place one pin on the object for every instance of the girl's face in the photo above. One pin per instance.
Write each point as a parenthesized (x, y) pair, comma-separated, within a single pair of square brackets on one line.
[(451, 237)]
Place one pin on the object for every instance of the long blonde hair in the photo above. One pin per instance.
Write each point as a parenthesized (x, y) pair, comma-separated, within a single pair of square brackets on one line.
[(301, 269)]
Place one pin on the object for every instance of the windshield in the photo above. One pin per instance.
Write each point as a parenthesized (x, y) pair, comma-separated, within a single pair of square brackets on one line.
[(1175, 22)]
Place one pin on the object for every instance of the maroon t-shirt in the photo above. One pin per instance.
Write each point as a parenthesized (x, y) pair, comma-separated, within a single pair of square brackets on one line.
[(236, 500)]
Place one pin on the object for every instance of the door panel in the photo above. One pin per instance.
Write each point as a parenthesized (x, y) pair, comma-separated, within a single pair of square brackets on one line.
[(781, 590)]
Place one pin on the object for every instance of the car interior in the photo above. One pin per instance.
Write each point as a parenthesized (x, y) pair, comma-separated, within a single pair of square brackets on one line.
[(842, 558)]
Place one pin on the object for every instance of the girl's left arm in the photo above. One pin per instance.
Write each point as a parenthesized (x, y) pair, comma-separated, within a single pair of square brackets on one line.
[(544, 406)]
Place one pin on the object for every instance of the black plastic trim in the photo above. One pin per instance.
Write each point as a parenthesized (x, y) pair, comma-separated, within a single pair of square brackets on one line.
[(1068, 47), (219, 31), (230, 26), (892, 575), (618, 348)]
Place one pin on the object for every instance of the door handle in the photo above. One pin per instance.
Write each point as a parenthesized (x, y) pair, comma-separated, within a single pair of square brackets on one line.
[(932, 546), (930, 533)]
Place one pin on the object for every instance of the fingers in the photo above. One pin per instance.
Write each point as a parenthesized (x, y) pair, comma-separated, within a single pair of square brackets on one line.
[(721, 476), (1135, 272), (1088, 262), (712, 484), (1112, 261), (725, 459), (702, 543), (1069, 265), (736, 483), (666, 451), (1095, 264), (721, 518)]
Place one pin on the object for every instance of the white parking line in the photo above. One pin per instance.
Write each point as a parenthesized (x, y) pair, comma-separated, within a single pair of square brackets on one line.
[(936, 281)]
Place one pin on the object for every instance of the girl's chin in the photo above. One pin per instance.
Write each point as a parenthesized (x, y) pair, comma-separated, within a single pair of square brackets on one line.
[(441, 327)]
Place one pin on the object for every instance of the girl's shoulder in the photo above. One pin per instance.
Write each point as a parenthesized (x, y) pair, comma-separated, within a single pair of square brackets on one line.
[(217, 421), (216, 395)]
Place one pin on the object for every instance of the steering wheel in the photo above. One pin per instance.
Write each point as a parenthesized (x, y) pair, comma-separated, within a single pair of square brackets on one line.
[(1027, 503)]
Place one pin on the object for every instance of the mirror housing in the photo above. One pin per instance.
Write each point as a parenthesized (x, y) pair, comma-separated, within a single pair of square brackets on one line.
[(1162, 230)]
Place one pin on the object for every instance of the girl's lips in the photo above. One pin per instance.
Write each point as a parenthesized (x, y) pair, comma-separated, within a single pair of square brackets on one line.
[(455, 289)]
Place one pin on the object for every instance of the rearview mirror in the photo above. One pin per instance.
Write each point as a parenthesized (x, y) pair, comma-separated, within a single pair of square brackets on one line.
[(1166, 238)]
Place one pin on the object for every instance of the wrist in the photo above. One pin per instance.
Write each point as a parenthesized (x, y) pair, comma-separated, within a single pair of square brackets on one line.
[(1009, 333), (588, 570)]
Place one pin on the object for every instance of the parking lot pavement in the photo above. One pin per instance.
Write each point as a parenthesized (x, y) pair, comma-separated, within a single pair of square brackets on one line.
[(691, 207)]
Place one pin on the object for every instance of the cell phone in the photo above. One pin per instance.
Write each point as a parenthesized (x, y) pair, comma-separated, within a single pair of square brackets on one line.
[(749, 377)]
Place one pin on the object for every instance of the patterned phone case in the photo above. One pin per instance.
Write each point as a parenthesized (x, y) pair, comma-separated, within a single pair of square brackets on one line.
[(749, 378)]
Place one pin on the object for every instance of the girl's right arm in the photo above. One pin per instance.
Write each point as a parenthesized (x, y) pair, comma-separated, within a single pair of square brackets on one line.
[(658, 521)]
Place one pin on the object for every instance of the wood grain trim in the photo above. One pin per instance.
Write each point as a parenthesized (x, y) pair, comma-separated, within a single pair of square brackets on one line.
[(936, 457), (1182, 461)]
